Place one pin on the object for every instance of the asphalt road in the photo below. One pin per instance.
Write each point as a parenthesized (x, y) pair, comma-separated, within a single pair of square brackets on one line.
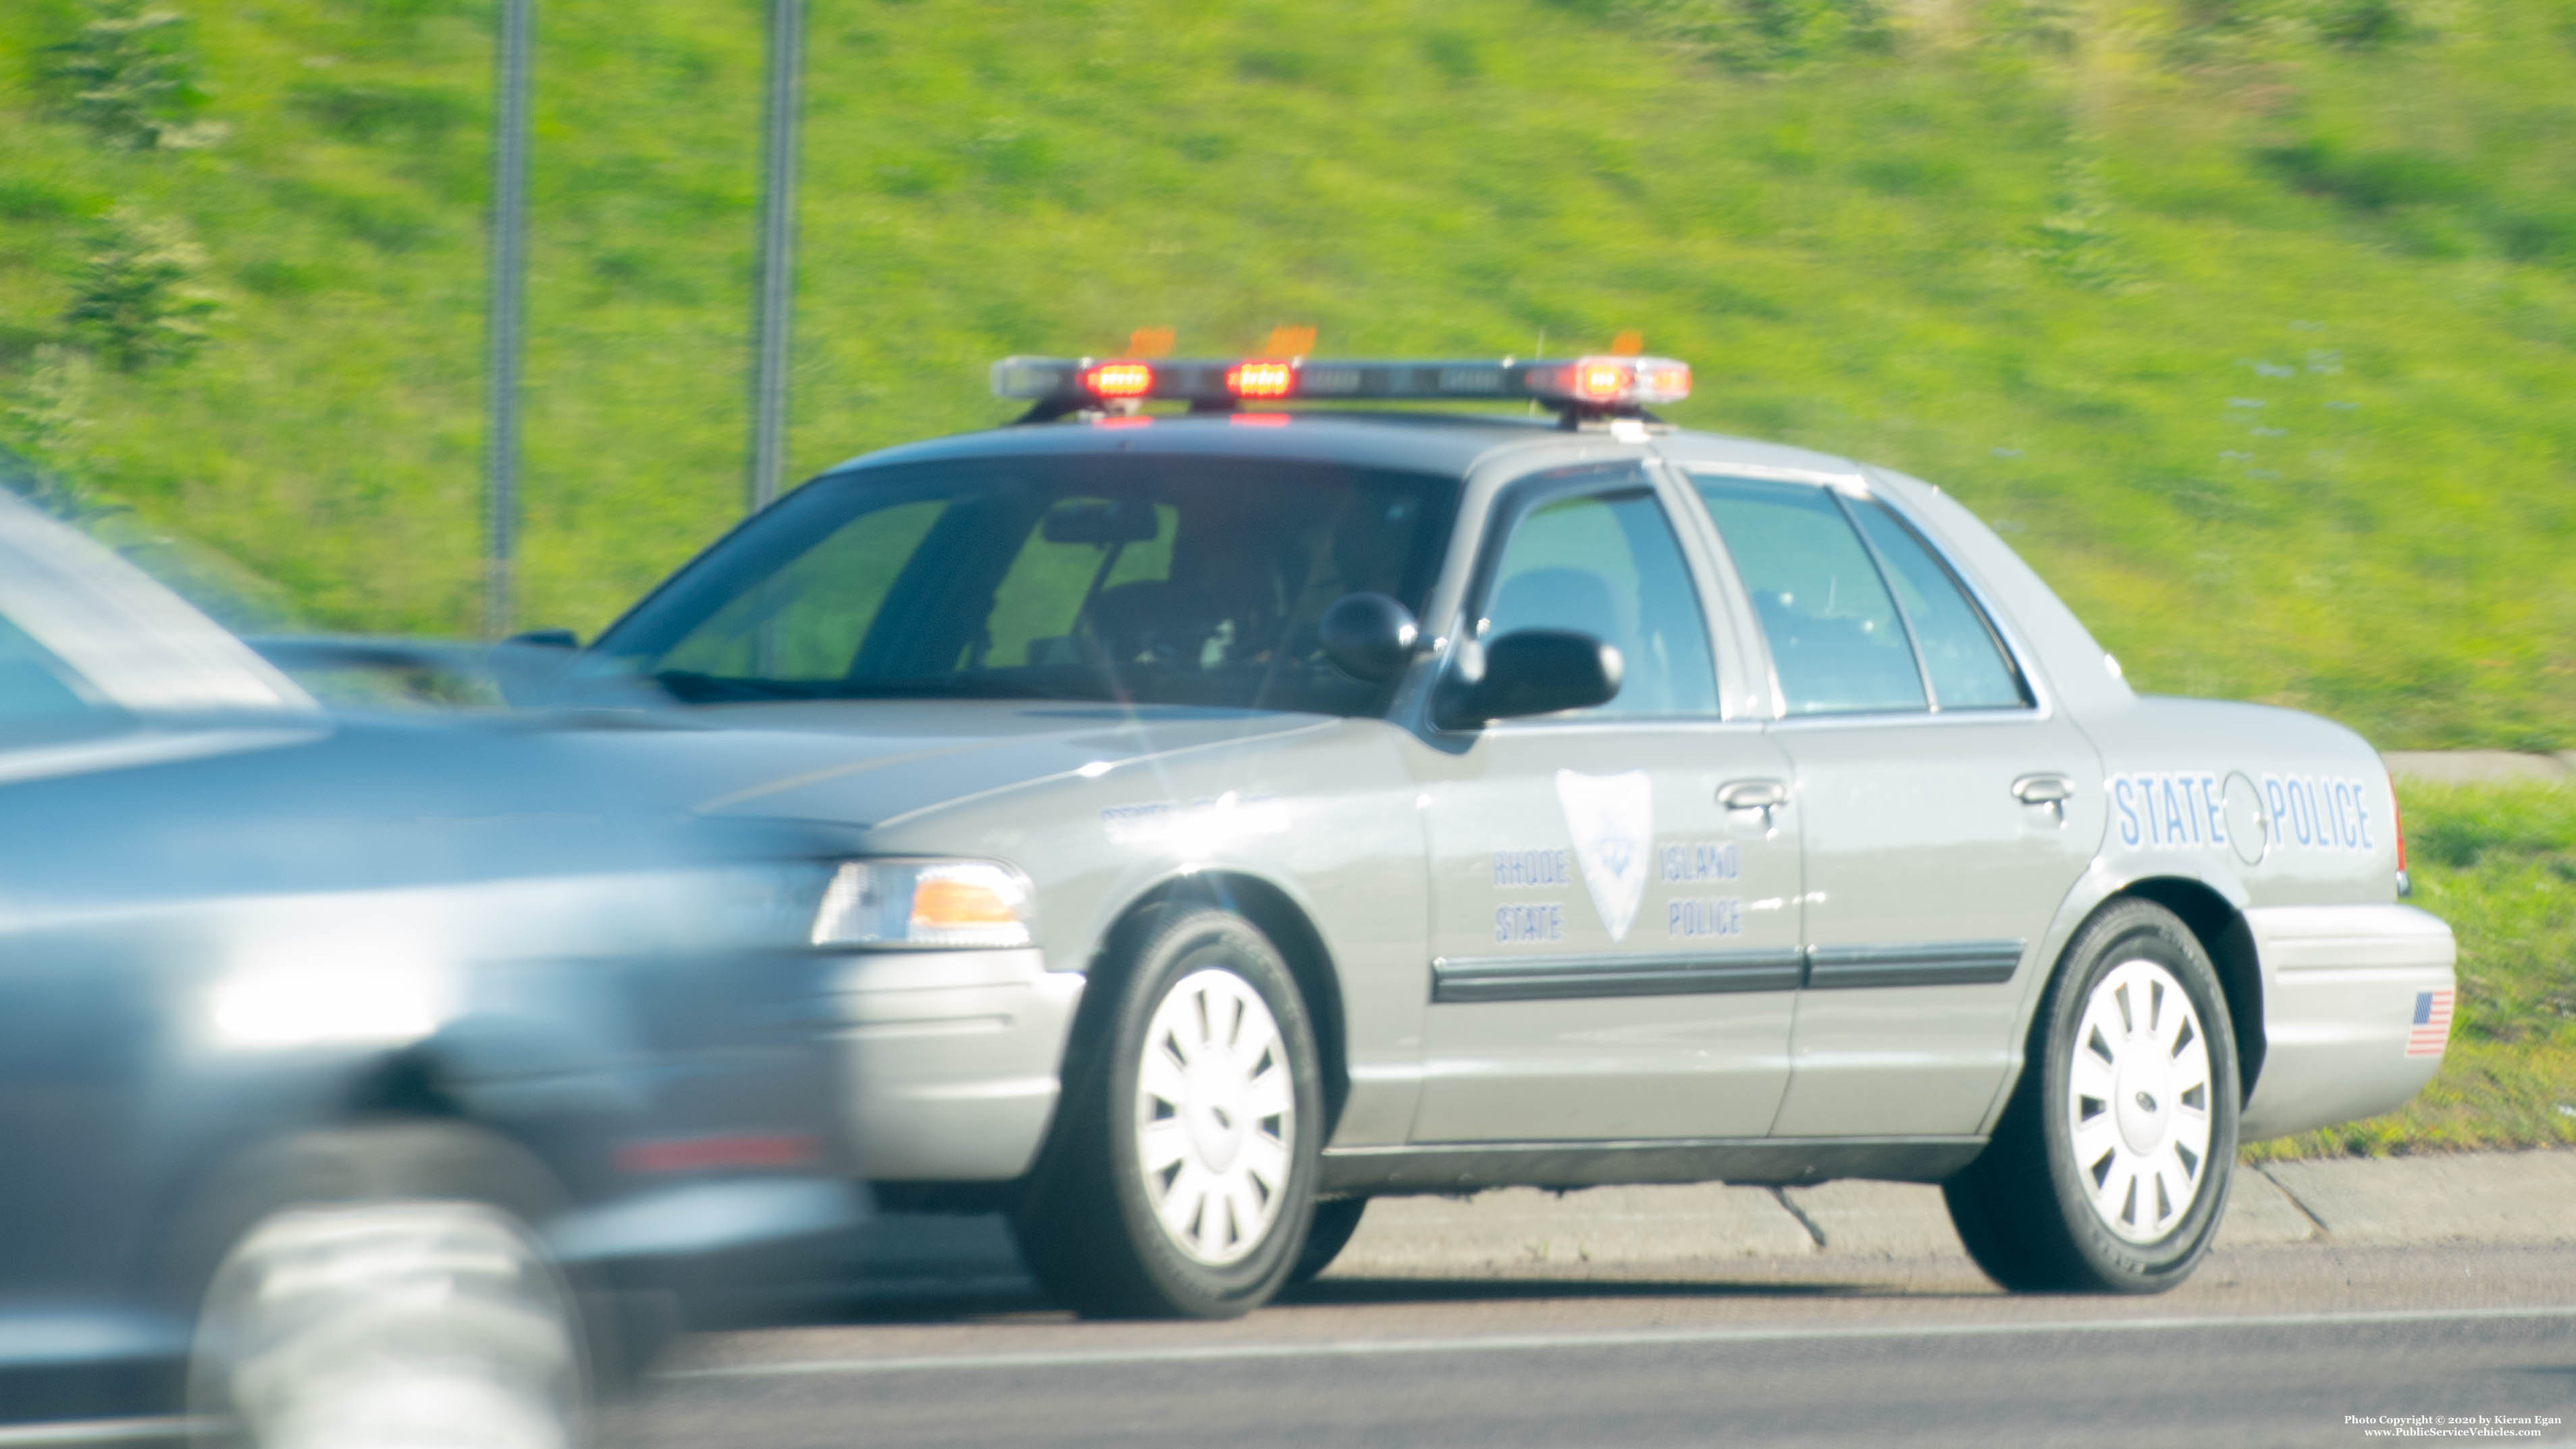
[(2265, 1346)]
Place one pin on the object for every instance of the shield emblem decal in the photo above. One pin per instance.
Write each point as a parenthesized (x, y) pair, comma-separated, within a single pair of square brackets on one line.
[(1612, 820)]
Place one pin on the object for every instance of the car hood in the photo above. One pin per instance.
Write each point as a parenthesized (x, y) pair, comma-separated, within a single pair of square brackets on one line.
[(875, 762)]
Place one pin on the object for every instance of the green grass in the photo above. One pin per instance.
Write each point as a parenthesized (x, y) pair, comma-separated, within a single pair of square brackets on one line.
[(2258, 345), (2498, 863)]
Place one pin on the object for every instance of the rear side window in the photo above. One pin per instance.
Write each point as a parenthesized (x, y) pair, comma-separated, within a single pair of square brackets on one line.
[(1967, 664), (1837, 642), (1607, 565)]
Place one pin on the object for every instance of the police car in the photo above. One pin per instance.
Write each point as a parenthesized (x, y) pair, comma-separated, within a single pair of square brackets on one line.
[(1263, 807)]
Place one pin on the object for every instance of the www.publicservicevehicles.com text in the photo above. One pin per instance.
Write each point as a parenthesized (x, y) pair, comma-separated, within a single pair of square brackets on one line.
[(2452, 1426)]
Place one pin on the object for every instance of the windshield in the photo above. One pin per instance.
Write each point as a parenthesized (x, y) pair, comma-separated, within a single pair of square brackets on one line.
[(1144, 580)]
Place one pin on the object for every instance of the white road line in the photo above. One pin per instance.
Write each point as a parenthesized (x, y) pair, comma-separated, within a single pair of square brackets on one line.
[(99, 1431), (1536, 1342)]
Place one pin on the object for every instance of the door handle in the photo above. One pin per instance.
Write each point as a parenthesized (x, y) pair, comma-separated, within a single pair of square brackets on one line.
[(1753, 794), (2043, 789)]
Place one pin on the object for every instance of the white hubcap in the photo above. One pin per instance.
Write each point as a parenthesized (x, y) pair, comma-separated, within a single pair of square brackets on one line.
[(2137, 1101), (1216, 1116)]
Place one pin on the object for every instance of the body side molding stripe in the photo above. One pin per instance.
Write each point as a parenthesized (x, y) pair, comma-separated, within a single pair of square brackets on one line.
[(1944, 963), (1471, 1166), (1822, 968), (1554, 978)]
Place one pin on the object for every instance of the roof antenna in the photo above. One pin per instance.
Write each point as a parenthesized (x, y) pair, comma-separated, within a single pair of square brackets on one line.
[(1538, 351)]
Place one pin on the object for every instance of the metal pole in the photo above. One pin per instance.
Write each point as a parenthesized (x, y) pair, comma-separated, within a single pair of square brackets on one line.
[(506, 283), (776, 309)]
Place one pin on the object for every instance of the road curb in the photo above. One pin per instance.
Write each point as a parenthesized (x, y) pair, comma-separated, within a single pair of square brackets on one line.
[(2503, 1198)]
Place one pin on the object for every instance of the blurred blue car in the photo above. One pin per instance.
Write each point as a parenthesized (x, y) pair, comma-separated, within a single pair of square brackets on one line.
[(368, 1080)]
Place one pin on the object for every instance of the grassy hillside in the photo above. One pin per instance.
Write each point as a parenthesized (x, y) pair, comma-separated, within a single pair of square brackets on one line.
[(2249, 321)]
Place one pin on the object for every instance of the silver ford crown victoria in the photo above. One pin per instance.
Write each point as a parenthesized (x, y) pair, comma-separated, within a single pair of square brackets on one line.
[(1264, 810)]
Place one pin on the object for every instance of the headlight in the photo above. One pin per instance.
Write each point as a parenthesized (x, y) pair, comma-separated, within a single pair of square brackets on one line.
[(945, 903)]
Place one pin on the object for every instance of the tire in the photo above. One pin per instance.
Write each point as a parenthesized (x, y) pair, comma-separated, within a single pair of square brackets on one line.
[(383, 1287), (1180, 1177), (1330, 1232), (2110, 1170)]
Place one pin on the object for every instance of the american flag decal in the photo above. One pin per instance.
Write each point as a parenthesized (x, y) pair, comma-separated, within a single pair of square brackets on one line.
[(2432, 1028)]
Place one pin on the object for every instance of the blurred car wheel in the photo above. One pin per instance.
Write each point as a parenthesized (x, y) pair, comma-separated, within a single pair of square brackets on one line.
[(1181, 1176), (2110, 1169), (391, 1294)]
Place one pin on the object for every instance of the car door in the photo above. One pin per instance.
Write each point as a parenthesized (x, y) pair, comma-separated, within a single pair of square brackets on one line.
[(1945, 810), (70, 1024), (100, 680), (1616, 950)]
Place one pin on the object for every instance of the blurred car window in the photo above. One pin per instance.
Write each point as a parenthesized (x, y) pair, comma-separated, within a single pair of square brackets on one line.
[(1836, 642), (114, 634), (1154, 580), (1967, 663), (42, 701), (1607, 565)]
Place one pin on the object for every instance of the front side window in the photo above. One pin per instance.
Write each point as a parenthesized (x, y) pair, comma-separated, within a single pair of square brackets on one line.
[(1607, 565), (1837, 643), (1153, 580)]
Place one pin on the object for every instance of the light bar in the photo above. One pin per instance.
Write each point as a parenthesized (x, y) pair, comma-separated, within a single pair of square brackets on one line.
[(1578, 387)]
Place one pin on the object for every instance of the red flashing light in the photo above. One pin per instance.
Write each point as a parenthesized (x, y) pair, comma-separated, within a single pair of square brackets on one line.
[(1258, 420), (1261, 379), (1118, 379)]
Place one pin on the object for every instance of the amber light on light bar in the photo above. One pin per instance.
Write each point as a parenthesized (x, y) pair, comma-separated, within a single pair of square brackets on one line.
[(1261, 379)]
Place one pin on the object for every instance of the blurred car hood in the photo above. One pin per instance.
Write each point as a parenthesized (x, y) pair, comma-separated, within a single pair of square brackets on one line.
[(875, 761)]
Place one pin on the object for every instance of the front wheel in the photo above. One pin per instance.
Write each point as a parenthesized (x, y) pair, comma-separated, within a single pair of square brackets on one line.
[(1335, 1221), (2110, 1169), (1181, 1175)]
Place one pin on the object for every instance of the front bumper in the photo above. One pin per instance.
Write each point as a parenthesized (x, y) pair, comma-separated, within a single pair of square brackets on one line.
[(950, 1060), (2343, 987)]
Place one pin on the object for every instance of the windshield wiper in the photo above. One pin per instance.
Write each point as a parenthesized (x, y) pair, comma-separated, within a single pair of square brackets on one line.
[(691, 687), (948, 686)]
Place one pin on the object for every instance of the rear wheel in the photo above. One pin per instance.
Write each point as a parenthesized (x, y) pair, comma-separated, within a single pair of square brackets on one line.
[(1181, 1175), (384, 1288), (2111, 1167)]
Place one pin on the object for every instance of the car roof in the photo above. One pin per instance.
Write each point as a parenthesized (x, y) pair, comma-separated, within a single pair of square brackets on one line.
[(1451, 444)]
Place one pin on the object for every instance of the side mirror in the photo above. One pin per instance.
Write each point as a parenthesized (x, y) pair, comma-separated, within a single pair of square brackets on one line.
[(547, 639), (1526, 672), (1370, 636)]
